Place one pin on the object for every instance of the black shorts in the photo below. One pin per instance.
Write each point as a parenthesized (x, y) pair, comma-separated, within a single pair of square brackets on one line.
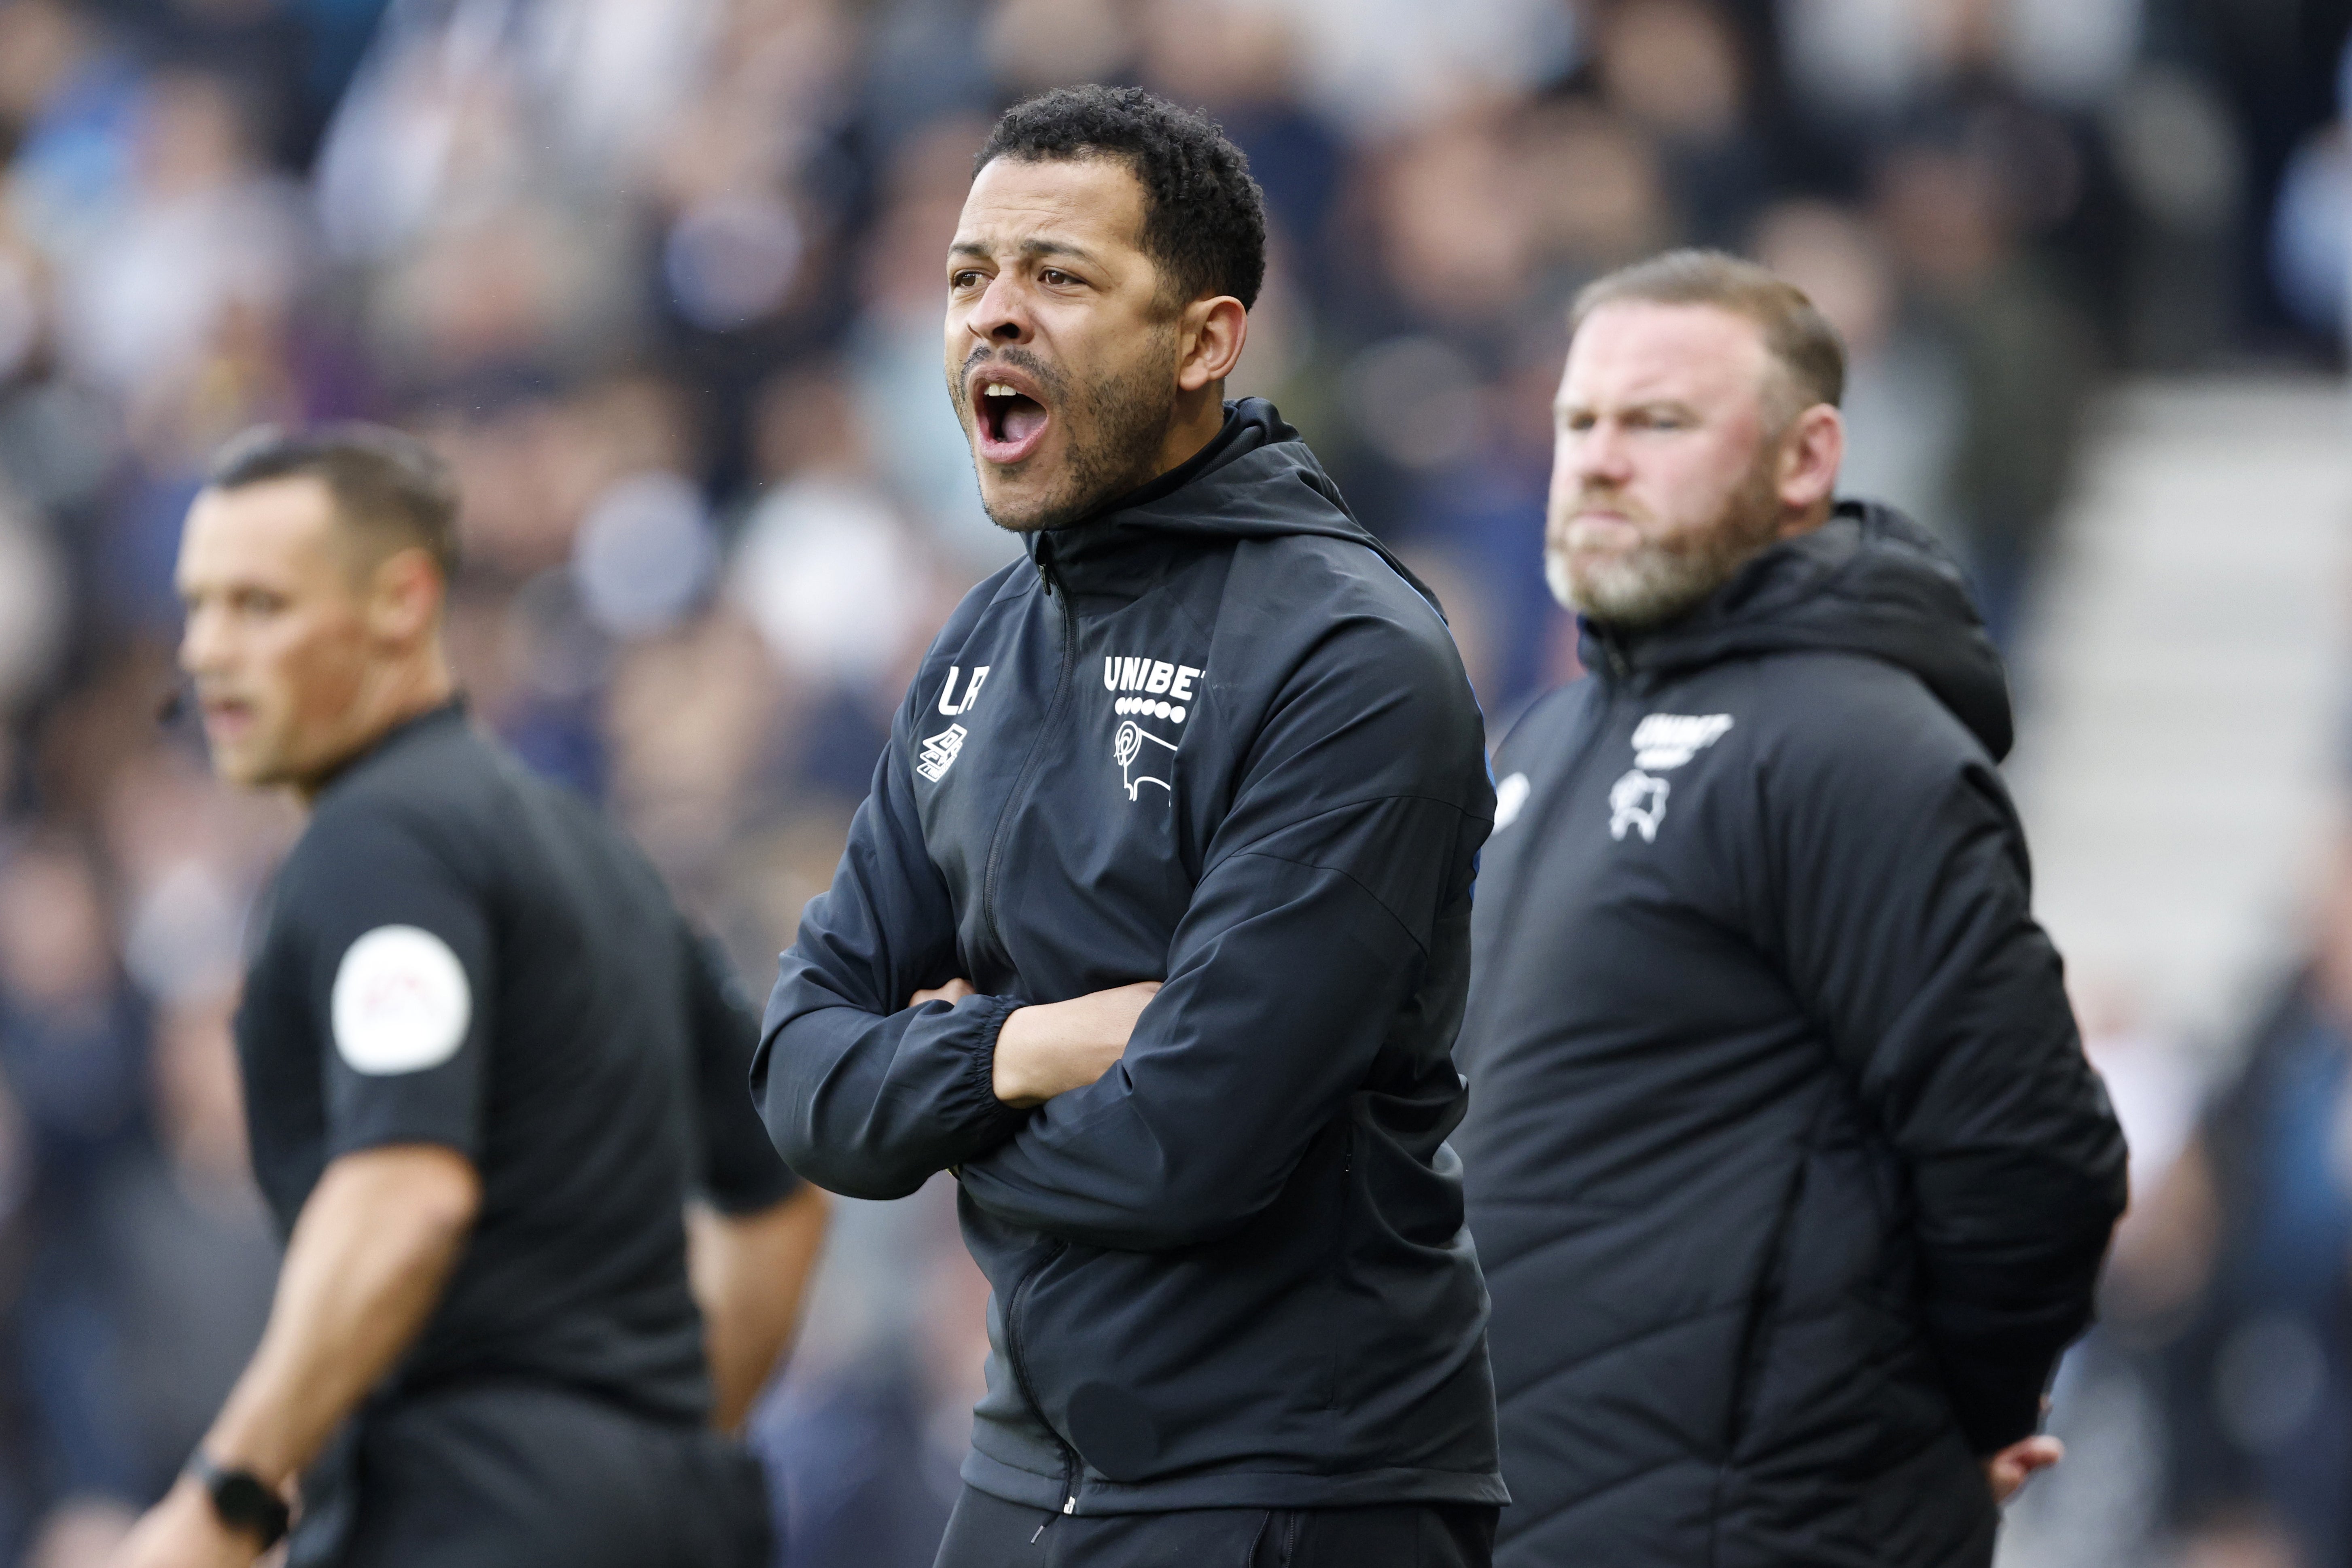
[(986, 1532), (526, 1476)]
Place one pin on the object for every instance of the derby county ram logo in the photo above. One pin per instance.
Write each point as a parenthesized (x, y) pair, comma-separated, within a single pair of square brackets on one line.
[(1637, 801), (1157, 689), (1142, 757), (1661, 741)]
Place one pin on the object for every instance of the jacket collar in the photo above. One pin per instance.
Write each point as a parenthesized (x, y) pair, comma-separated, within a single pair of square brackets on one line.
[(1257, 479), (1870, 580)]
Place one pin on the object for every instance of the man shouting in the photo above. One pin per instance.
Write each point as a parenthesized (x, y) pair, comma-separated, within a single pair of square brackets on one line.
[(1154, 929)]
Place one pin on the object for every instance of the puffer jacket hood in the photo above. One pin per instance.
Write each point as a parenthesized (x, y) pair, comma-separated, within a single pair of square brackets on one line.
[(1871, 581)]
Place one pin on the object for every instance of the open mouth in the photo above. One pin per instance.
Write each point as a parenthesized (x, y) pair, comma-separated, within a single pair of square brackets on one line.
[(1011, 422), (226, 717)]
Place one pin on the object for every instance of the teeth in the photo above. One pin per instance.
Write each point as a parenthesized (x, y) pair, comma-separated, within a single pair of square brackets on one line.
[(998, 388)]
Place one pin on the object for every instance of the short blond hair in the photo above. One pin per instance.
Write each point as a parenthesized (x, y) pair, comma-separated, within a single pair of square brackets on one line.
[(1802, 343)]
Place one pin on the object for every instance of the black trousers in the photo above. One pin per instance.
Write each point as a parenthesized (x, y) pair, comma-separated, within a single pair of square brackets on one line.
[(986, 1532), (526, 1476)]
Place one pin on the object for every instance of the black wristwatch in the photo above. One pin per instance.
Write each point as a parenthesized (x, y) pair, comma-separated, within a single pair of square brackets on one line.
[(243, 1501)]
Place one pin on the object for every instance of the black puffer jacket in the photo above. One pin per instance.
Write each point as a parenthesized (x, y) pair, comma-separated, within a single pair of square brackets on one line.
[(1789, 1175), (1214, 736)]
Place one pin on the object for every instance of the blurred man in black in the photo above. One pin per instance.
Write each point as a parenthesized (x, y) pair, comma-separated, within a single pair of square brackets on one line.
[(486, 1064), (1789, 1175)]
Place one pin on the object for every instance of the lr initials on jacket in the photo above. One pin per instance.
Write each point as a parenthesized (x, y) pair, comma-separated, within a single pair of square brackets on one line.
[(949, 705)]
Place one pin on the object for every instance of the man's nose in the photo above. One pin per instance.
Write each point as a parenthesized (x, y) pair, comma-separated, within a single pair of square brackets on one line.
[(1600, 453), (1001, 313), (202, 648)]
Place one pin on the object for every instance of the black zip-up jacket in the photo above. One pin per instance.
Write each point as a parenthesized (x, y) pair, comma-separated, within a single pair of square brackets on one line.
[(1789, 1175), (1215, 736)]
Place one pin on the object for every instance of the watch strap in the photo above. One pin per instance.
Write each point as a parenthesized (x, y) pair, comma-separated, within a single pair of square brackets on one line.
[(242, 1501)]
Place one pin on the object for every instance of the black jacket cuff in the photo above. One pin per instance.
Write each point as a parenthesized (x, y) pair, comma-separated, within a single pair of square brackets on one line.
[(1997, 1405), (981, 1076)]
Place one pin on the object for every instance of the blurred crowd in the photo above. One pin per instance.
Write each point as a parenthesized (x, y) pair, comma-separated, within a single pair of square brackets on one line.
[(665, 280)]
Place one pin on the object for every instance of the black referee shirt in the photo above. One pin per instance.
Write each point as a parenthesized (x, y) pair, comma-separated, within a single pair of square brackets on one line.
[(461, 954)]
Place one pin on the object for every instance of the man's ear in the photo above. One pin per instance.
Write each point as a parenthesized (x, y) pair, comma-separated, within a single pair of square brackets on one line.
[(1811, 453), (404, 595), (1210, 341)]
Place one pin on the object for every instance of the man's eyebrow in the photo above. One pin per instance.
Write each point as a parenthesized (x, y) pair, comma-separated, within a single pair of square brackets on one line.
[(1055, 247), (1029, 247), (1673, 405)]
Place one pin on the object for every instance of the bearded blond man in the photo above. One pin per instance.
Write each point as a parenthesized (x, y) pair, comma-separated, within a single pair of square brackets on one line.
[(1787, 1171)]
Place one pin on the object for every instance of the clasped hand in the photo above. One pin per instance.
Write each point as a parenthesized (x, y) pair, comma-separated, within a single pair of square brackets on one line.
[(1052, 1048)]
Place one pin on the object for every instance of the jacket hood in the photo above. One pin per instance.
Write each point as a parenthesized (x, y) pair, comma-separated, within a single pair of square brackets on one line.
[(1258, 479), (1871, 581)]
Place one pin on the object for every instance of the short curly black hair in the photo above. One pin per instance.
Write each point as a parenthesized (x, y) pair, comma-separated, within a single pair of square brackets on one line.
[(1203, 216)]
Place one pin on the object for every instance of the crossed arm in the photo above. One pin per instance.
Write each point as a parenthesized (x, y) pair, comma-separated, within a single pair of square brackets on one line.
[(1056, 1047)]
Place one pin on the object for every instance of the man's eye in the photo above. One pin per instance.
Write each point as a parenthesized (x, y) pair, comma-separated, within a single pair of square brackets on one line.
[(1056, 276), (964, 279)]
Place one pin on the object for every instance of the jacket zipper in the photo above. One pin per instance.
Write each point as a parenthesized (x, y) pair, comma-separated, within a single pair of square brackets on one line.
[(1584, 744), (1051, 580), (1052, 583), (1020, 1364), (1619, 664), (1045, 566)]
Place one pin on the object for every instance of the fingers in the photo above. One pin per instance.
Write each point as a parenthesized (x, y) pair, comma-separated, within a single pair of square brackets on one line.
[(954, 992), (2009, 1469)]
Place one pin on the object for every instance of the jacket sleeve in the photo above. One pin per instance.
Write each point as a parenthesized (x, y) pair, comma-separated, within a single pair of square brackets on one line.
[(861, 1093), (1303, 947), (1903, 881)]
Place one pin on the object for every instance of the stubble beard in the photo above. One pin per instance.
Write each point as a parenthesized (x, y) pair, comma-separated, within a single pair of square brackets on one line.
[(1662, 580), (1113, 447)]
